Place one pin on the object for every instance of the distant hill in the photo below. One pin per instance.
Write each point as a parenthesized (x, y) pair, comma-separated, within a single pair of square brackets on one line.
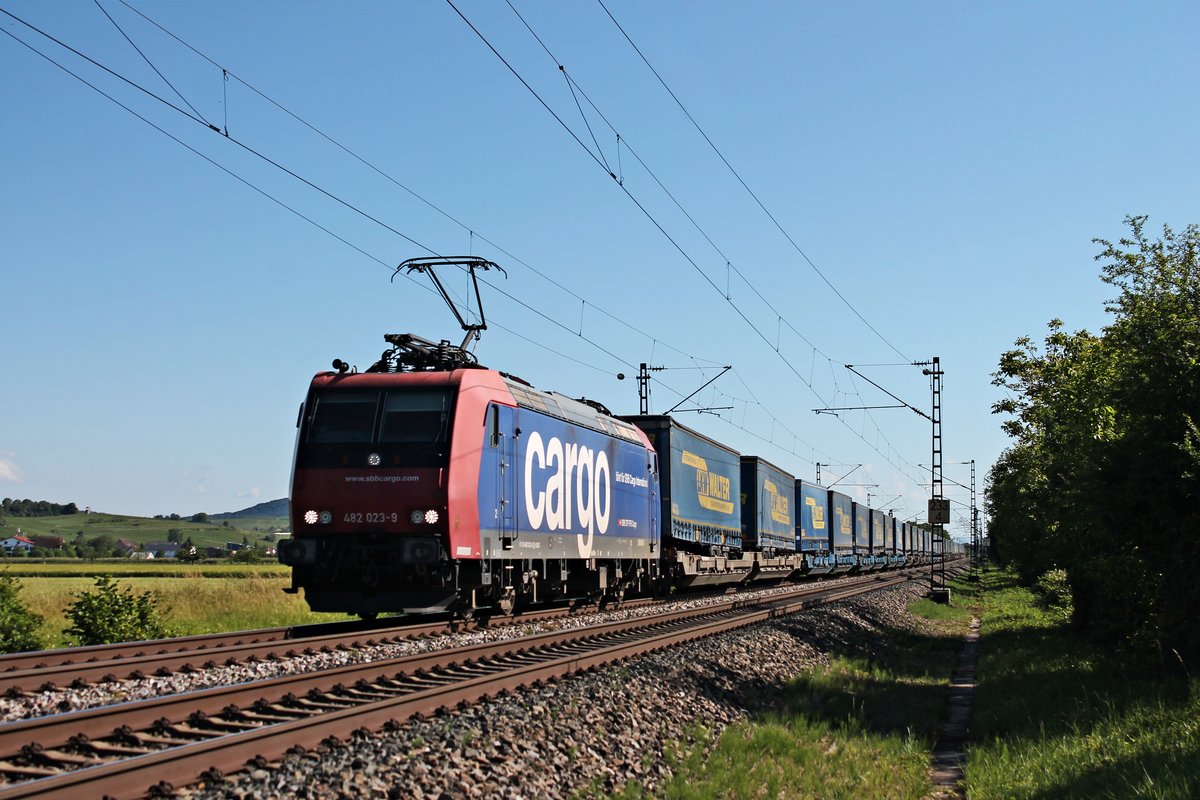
[(142, 530), (272, 508)]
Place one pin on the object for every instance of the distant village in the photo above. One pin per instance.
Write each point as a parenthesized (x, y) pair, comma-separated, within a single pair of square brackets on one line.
[(57, 546), (18, 542)]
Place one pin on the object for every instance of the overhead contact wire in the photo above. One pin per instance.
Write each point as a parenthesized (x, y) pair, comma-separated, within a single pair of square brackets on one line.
[(337, 199), (653, 220), (679, 248), (475, 234), (149, 62), (750, 191)]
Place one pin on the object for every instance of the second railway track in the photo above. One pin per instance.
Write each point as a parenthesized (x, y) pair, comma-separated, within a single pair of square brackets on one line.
[(50, 669), (122, 751)]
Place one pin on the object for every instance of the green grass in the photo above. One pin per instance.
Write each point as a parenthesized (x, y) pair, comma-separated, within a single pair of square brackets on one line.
[(944, 612), (862, 727), (197, 602), (1056, 719), (792, 756)]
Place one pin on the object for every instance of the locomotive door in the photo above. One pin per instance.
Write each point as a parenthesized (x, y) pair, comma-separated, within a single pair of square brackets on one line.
[(507, 490), (655, 504)]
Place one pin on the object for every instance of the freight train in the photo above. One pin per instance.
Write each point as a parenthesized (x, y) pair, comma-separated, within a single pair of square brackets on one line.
[(430, 483)]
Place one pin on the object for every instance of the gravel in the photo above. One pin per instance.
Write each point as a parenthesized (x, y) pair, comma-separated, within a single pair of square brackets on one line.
[(590, 733)]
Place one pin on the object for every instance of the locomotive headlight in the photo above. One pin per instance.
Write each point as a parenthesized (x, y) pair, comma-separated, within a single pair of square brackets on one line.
[(326, 517), (374, 459), (431, 516), (417, 517), (310, 517)]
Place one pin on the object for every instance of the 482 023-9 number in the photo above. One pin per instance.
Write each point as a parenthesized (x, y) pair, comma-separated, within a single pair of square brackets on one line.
[(371, 517)]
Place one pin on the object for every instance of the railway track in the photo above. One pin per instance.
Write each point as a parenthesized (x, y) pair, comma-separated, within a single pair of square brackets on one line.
[(47, 670), (42, 659), (129, 749)]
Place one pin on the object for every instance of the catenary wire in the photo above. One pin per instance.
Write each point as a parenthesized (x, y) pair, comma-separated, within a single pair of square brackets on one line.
[(771, 216), (149, 62), (513, 258), (662, 230)]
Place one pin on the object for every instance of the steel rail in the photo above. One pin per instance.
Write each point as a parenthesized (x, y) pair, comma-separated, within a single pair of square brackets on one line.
[(560, 653), (80, 666), (41, 659)]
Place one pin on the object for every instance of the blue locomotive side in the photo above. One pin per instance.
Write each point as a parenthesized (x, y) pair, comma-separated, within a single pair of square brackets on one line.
[(551, 488), (768, 499)]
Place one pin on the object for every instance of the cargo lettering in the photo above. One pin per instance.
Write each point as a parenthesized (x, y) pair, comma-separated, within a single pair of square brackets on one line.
[(578, 487)]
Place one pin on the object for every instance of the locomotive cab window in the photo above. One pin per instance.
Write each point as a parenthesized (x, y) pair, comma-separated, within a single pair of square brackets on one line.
[(416, 417), (493, 425), (343, 417)]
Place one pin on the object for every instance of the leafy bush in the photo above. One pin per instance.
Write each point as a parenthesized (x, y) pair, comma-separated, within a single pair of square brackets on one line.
[(18, 625), (113, 613), (1054, 591)]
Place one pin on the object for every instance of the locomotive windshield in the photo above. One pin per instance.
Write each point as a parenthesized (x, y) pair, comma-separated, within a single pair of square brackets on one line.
[(422, 416), (343, 417), (414, 421)]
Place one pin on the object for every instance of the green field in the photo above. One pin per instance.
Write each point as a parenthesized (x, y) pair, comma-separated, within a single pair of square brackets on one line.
[(130, 568), (143, 529)]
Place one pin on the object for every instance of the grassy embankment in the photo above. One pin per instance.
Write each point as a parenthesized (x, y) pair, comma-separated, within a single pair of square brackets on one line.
[(205, 598), (1056, 719), (860, 727), (1052, 719)]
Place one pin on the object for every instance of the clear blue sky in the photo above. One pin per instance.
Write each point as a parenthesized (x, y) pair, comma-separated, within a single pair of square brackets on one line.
[(944, 165)]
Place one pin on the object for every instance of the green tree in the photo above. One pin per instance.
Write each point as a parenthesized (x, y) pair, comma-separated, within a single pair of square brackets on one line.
[(1102, 474), (18, 625), (112, 613), (188, 552), (103, 546)]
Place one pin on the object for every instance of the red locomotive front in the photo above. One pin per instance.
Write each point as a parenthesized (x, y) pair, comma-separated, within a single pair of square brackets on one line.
[(377, 522)]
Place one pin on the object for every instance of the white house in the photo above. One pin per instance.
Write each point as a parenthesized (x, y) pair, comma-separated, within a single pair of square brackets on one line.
[(168, 549), (18, 542)]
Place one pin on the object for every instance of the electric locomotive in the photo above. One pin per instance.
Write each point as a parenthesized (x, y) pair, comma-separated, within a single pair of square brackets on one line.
[(453, 486)]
